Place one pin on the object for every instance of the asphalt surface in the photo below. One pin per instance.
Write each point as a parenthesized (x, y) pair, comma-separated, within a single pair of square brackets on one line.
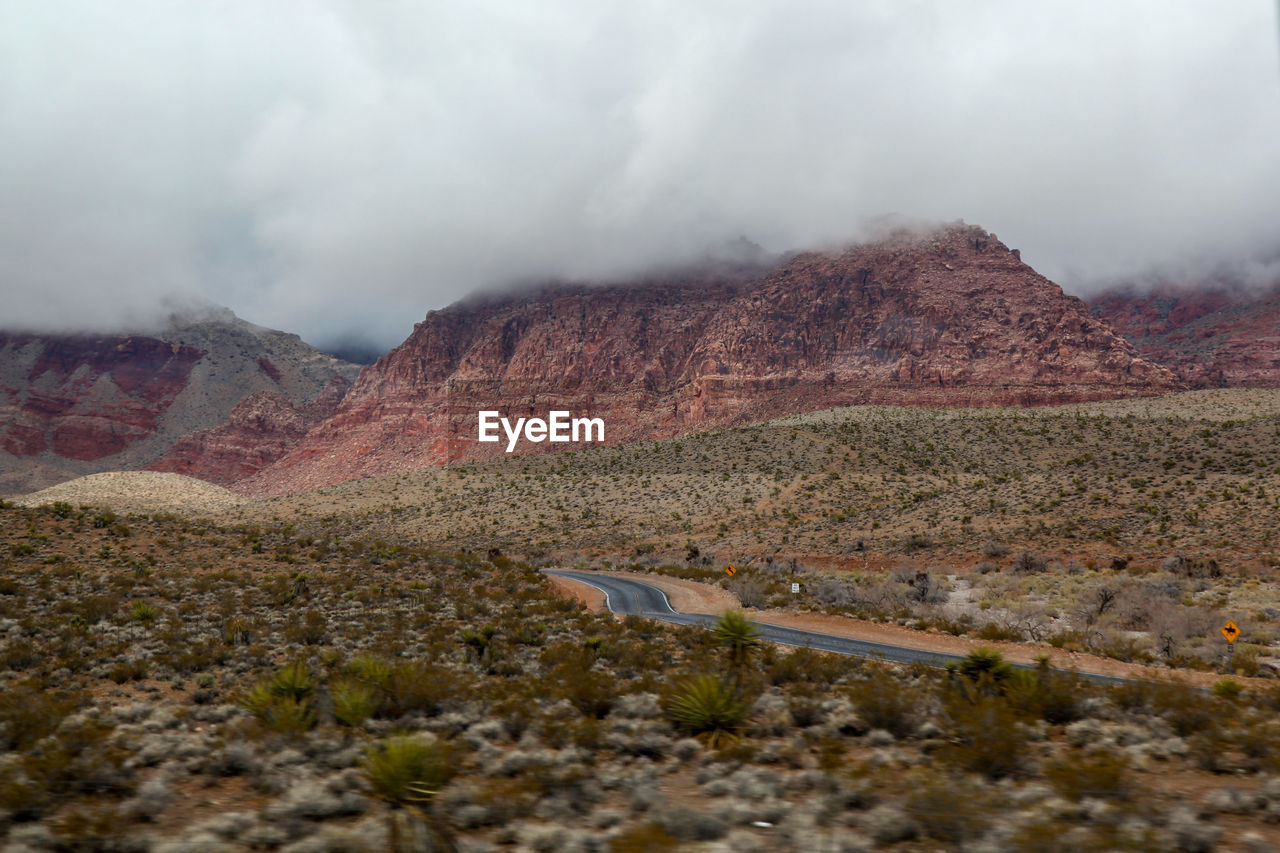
[(625, 596)]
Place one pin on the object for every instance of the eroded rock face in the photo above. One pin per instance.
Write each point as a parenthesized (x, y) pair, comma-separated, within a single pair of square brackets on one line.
[(949, 318), (85, 397), (80, 404), (1219, 335), (260, 429)]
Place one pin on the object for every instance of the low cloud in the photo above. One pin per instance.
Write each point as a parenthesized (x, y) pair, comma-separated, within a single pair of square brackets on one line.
[(338, 168)]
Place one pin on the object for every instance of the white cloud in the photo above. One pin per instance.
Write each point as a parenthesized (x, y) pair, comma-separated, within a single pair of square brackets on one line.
[(337, 168)]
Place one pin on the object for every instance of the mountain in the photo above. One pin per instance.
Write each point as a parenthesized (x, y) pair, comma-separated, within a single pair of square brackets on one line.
[(75, 404), (946, 317), (1222, 333)]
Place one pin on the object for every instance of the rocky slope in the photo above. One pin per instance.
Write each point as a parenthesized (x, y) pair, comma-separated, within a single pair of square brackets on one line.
[(951, 317), (79, 404), (1222, 334)]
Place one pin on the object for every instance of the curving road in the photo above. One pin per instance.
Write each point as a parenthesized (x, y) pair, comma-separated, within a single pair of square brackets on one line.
[(625, 596)]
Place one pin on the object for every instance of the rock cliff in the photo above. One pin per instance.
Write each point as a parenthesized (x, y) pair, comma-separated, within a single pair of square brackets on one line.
[(949, 317)]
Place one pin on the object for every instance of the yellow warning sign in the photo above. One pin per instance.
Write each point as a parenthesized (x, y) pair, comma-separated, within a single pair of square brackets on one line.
[(1231, 631), (730, 571)]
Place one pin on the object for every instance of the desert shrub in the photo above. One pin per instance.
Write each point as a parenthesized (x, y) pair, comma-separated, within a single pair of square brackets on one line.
[(411, 686), (805, 665), (311, 630), (353, 701), (1027, 563), (988, 739), (1051, 695), (1101, 775), (992, 548), (577, 679), (707, 707), (917, 542), (1192, 567), (884, 702), (130, 669), (407, 769), (643, 839), (1227, 688), (28, 713), (20, 654), (948, 811), (751, 591), (997, 632), (1186, 709)]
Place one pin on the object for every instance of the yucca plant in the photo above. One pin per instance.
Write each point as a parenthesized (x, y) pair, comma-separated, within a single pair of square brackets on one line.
[(283, 701), (739, 635), (293, 680), (407, 770), (353, 701), (141, 611), (708, 708), (280, 713), (370, 669)]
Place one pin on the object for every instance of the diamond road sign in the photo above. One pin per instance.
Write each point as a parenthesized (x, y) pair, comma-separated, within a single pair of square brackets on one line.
[(730, 571), (1231, 631)]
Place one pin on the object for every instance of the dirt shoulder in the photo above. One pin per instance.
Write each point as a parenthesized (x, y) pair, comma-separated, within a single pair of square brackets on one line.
[(693, 597)]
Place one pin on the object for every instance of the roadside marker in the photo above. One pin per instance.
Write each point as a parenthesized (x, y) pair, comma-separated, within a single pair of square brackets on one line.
[(730, 571)]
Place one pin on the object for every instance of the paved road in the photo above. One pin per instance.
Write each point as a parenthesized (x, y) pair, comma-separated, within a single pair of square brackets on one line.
[(627, 596)]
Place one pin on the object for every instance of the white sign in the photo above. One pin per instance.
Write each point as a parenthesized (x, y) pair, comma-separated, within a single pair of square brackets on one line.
[(560, 427), (795, 587)]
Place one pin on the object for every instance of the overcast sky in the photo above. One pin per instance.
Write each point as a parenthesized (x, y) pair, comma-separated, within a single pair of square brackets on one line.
[(338, 168)]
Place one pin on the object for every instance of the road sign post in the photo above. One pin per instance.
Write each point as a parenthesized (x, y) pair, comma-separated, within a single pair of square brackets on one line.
[(1232, 632)]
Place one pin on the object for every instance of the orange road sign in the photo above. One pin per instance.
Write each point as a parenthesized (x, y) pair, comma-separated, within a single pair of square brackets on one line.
[(1231, 631), (730, 571)]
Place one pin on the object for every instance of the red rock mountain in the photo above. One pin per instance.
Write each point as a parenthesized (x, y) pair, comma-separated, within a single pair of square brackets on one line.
[(79, 404), (1216, 335), (951, 317)]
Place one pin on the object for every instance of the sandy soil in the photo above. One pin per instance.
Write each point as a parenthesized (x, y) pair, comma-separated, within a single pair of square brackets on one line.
[(588, 595), (139, 491), (694, 597)]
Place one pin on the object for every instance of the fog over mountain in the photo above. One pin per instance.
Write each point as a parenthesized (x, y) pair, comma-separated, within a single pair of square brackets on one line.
[(338, 168)]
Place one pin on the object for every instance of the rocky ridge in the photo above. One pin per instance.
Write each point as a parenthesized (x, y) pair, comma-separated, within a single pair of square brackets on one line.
[(950, 317), (75, 404), (1219, 335)]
